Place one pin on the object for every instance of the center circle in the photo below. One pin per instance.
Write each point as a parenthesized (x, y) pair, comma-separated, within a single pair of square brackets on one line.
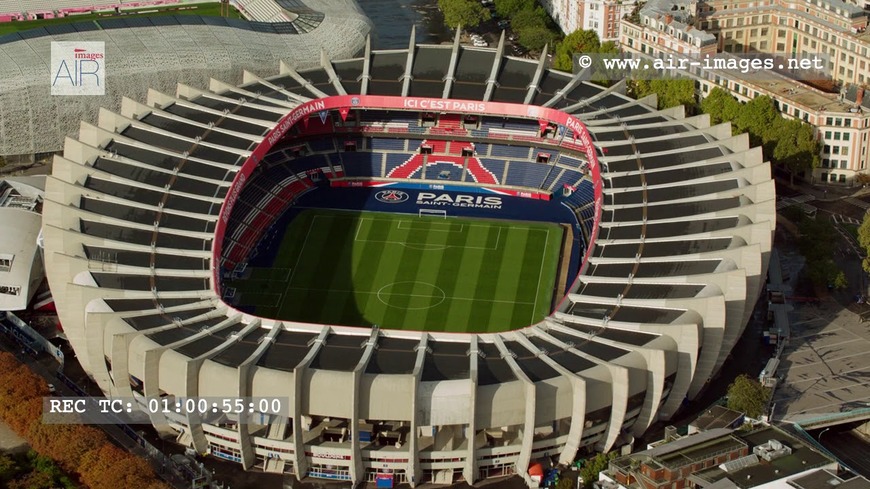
[(411, 295)]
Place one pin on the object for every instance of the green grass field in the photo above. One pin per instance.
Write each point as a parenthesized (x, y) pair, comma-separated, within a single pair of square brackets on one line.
[(408, 272), (205, 9)]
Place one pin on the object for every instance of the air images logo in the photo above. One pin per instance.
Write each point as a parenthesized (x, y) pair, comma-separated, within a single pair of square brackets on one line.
[(78, 68), (391, 196)]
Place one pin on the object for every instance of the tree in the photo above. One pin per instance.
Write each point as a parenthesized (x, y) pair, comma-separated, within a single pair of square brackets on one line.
[(793, 145), (468, 13), (670, 92), (840, 281), (590, 470), (535, 38), (531, 28), (721, 106), (579, 41), (509, 8), (748, 396), (536, 17), (756, 117), (565, 483), (864, 240)]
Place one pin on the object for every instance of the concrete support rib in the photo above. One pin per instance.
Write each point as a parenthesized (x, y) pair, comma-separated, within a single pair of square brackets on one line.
[(578, 395), (492, 81), (357, 471), (533, 86), (469, 472), (288, 70), (450, 77), (528, 433), (414, 471), (300, 462), (326, 64), (249, 456), (409, 63), (366, 75)]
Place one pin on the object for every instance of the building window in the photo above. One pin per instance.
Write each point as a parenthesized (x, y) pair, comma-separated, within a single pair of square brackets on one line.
[(825, 162), (845, 136), (836, 136), (844, 164), (844, 151), (827, 134), (824, 176), (843, 178)]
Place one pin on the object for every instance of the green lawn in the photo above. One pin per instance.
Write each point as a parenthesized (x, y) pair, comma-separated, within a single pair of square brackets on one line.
[(205, 9), (408, 272)]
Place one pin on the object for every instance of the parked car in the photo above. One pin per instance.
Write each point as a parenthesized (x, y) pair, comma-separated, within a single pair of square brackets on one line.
[(504, 24), (480, 43)]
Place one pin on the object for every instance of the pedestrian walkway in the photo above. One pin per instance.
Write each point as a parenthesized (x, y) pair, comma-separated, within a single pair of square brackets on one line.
[(858, 202), (840, 219)]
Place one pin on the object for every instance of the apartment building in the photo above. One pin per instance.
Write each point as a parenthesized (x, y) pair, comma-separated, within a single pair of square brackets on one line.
[(601, 16), (833, 28)]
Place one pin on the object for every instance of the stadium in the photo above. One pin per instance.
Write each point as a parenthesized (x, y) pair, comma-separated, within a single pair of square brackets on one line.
[(452, 262), (149, 51)]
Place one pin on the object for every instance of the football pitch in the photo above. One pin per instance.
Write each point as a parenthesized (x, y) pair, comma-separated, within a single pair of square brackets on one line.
[(401, 271)]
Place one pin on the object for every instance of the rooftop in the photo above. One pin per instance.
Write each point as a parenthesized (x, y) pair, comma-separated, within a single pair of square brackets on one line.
[(744, 472), (716, 417), (825, 479)]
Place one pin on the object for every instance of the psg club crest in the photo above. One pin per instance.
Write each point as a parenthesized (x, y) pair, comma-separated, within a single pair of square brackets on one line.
[(391, 196), (354, 101)]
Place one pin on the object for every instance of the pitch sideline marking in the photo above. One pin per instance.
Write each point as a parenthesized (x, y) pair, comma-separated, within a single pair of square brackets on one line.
[(540, 272), (301, 250)]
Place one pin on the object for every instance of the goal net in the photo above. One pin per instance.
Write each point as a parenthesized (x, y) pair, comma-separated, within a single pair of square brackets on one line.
[(432, 213)]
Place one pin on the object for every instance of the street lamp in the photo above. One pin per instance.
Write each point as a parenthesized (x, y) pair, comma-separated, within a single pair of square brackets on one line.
[(819, 438)]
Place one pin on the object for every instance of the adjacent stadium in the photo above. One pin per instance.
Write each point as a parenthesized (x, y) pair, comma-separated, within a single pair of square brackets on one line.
[(452, 263)]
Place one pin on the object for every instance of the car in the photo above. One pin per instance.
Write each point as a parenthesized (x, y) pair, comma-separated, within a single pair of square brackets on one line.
[(487, 3), (481, 44), (504, 24), (51, 389)]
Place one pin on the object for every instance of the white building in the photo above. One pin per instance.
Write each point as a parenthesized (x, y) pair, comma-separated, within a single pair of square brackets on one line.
[(21, 269)]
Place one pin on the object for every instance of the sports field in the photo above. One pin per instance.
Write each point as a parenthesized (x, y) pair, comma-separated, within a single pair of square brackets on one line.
[(204, 9), (402, 271)]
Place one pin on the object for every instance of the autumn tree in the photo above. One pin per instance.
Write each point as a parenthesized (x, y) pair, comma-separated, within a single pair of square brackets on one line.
[(748, 396), (467, 13)]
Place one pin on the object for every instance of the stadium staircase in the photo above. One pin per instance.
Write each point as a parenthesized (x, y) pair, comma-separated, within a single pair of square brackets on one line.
[(450, 121)]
